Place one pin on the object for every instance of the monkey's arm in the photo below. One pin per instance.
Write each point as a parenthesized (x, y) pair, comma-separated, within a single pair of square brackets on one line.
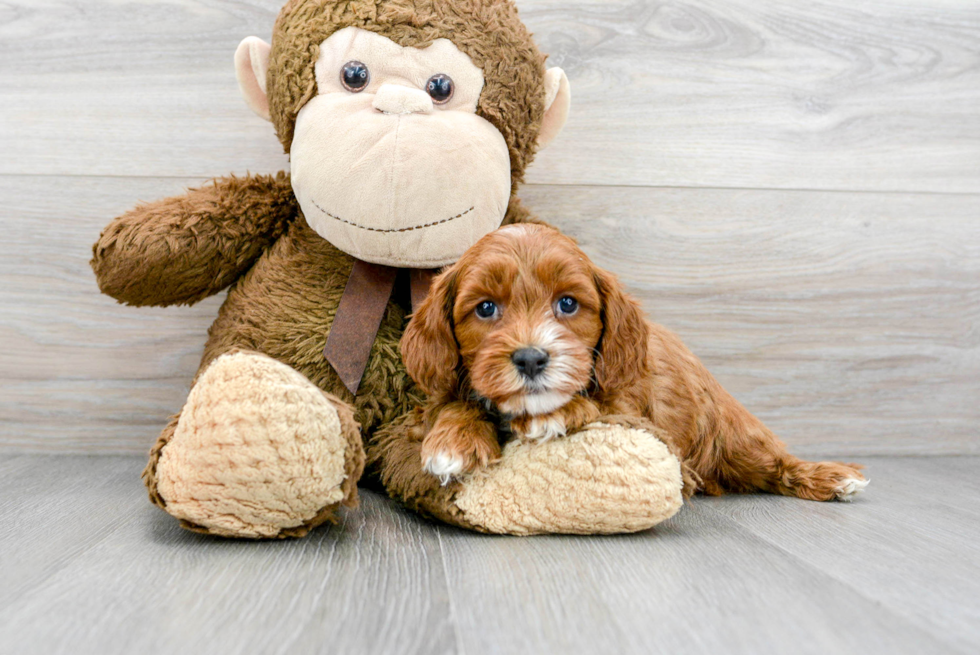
[(517, 212), (183, 249)]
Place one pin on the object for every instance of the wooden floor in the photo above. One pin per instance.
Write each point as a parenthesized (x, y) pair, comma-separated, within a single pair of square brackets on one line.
[(89, 566)]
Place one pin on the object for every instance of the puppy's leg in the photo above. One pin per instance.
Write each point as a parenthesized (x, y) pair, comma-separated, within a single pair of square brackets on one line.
[(460, 441), (736, 452), (729, 448)]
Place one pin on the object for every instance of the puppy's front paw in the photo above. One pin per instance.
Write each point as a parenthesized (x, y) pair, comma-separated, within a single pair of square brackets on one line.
[(540, 428), (444, 466), (450, 451)]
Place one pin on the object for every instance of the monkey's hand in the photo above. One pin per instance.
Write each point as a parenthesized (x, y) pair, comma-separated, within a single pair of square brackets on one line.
[(183, 249)]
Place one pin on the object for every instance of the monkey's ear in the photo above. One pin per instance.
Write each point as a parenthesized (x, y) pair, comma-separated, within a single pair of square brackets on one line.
[(251, 66), (557, 100)]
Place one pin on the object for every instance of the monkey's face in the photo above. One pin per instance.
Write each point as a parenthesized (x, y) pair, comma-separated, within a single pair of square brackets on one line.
[(390, 161), (407, 132)]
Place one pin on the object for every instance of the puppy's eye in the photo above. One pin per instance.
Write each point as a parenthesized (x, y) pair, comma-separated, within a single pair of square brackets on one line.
[(354, 76), (441, 88), (567, 305), (486, 309)]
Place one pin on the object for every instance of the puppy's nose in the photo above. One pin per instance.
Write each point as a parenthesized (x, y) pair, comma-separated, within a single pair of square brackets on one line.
[(530, 361)]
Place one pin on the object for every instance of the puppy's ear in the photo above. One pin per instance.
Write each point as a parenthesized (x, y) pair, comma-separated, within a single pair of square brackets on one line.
[(622, 358), (428, 346)]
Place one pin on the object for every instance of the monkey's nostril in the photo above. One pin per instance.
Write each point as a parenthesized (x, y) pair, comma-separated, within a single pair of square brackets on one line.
[(530, 362), (397, 99)]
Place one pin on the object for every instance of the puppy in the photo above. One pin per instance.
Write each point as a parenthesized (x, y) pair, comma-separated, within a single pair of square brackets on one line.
[(526, 332)]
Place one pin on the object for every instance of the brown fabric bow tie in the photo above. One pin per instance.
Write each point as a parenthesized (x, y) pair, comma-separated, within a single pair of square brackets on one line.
[(359, 315)]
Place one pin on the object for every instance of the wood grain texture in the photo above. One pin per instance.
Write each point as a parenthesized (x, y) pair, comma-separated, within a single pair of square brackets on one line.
[(741, 93), (121, 577), (698, 584), (62, 370), (90, 567), (804, 95), (55, 509), (847, 321), (914, 543)]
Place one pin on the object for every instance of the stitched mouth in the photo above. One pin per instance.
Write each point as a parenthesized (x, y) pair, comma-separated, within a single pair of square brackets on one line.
[(401, 229)]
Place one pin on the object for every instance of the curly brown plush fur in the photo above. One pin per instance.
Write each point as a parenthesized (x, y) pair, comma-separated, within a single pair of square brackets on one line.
[(180, 250)]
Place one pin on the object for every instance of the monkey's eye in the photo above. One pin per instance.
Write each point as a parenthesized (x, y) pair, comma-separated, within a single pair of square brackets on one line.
[(354, 76), (441, 88), (567, 305), (486, 309)]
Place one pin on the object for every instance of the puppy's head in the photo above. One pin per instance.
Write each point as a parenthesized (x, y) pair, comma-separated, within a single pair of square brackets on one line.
[(527, 321)]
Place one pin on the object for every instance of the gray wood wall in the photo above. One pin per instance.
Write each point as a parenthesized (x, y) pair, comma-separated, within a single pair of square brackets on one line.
[(794, 187)]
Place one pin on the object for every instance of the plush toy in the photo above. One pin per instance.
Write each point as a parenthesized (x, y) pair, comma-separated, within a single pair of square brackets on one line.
[(409, 125)]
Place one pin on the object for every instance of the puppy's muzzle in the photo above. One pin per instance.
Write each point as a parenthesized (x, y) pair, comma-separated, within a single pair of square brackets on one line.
[(530, 362)]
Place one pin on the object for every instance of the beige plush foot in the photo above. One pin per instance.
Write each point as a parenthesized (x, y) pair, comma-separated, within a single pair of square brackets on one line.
[(605, 479), (258, 451)]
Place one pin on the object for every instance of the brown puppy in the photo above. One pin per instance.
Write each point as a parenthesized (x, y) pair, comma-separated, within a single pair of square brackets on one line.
[(524, 330)]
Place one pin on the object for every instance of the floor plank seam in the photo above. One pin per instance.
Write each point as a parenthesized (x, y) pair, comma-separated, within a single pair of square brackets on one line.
[(39, 584), (582, 185), (673, 187), (453, 617), (289, 646), (927, 628)]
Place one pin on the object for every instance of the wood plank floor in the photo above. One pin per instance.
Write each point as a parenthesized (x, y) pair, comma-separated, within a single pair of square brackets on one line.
[(88, 566)]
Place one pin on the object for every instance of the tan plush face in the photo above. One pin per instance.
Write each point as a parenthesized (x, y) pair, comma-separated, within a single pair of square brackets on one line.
[(389, 172)]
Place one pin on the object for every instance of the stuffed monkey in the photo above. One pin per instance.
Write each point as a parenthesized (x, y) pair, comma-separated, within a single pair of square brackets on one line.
[(409, 125)]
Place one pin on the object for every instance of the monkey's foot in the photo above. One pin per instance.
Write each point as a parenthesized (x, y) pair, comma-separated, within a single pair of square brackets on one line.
[(605, 479), (258, 451), (612, 476)]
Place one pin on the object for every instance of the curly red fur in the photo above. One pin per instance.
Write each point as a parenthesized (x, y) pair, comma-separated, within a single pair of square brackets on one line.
[(429, 349), (625, 335), (605, 358)]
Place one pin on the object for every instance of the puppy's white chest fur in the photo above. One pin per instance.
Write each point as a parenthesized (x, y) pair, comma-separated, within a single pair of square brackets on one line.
[(545, 428), (535, 403)]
